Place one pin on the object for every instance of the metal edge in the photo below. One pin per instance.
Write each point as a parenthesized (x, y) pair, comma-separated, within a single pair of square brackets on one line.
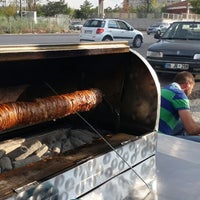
[(63, 47), (157, 83), (34, 52)]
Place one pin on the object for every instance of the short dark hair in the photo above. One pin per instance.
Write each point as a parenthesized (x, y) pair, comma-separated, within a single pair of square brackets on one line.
[(184, 77)]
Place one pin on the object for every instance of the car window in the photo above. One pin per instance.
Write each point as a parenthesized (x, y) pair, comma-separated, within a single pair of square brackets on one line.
[(172, 32), (156, 25), (123, 25), (94, 23), (74, 23), (112, 24), (187, 31)]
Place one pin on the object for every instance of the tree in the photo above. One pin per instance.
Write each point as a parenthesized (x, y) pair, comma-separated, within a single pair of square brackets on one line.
[(39, 10), (146, 7), (54, 8), (126, 6), (9, 11), (31, 4), (196, 6), (86, 10)]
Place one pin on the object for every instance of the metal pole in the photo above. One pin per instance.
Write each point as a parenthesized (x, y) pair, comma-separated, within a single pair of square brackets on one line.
[(101, 9), (20, 8), (188, 9)]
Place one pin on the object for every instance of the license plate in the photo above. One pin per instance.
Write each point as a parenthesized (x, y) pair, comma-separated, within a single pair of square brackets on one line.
[(88, 31), (176, 66)]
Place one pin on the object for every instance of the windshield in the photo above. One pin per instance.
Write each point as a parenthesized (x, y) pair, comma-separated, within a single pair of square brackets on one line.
[(158, 24), (155, 25), (183, 31), (76, 23)]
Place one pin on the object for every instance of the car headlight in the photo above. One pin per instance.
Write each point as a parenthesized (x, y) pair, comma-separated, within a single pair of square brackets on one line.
[(196, 56), (154, 54)]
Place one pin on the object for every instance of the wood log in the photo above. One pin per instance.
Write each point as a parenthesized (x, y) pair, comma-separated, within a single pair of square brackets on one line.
[(30, 149), (12, 144), (42, 150)]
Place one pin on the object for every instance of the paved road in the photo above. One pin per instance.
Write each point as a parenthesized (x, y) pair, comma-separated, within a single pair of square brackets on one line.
[(38, 39), (58, 38)]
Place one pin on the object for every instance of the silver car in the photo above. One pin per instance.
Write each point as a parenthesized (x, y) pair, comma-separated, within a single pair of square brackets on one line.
[(159, 27), (99, 29), (75, 25)]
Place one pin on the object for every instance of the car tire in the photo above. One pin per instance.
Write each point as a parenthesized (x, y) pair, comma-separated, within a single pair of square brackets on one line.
[(137, 42), (107, 38)]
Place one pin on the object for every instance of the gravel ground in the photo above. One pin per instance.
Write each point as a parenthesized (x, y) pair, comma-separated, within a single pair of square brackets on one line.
[(195, 101)]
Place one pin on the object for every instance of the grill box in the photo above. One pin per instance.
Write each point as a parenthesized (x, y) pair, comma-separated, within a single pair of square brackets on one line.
[(104, 152)]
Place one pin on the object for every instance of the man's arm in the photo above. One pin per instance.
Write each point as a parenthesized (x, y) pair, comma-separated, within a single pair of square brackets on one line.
[(191, 127)]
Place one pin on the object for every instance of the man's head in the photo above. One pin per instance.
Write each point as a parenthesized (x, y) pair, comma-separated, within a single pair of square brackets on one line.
[(186, 81)]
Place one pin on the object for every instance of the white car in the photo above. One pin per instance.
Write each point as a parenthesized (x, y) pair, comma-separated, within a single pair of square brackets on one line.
[(99, 29)]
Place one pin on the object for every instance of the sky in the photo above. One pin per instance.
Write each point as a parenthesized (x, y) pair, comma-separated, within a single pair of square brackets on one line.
[(107, 3)]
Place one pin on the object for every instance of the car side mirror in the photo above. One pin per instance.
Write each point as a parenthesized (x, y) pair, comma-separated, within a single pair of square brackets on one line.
[(157, 35), (131, 28)]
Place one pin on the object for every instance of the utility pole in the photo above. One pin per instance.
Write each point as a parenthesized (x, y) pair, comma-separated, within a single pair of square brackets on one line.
[(3, 3), (188, 8), (101, 9), (20, 8)]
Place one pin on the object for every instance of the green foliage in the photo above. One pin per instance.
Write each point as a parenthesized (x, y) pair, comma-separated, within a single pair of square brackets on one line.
[(39, 10), (54, 8), (26, 25), (11, 23), (144, 8), (149, 6), (87, 10), (196, 6), (115, 9), (9, 11)]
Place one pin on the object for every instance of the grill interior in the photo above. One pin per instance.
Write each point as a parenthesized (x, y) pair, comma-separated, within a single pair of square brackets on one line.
[(128, 109)]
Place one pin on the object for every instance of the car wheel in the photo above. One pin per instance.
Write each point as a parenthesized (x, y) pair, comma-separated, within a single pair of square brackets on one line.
[(137, 42), (107, 38)]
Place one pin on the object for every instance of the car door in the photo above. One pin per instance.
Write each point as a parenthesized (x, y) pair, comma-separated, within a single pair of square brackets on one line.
[(120, 30), (125, 32)]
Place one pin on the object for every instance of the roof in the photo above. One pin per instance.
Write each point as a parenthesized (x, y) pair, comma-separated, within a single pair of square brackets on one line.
[(179, 5)]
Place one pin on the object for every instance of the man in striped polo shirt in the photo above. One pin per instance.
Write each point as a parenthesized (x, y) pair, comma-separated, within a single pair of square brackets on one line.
[(175, 115)]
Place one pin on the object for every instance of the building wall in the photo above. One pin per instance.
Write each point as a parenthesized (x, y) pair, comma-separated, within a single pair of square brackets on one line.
[(136, 3), (143, 23)]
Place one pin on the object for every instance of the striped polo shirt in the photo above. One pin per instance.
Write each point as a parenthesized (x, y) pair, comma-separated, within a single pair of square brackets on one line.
[(172, 100)]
